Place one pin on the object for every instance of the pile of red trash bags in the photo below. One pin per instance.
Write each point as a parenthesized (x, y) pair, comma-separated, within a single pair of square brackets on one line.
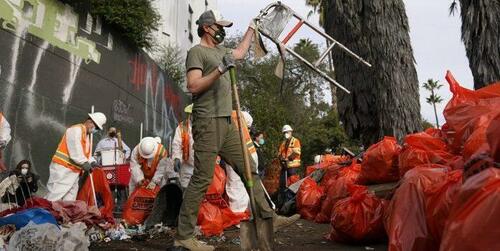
[(448, 191), (215, 215)]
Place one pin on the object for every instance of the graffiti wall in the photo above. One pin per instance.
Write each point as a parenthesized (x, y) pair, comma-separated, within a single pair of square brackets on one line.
[(56, 62)]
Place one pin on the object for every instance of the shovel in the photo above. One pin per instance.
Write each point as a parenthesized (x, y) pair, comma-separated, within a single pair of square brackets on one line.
[(257, 233)]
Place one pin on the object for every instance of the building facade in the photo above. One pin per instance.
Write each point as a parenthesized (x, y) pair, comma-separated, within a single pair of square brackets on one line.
[(178, 24)]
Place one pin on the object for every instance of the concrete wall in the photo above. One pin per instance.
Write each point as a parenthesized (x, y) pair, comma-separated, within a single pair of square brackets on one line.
[(55, 63)]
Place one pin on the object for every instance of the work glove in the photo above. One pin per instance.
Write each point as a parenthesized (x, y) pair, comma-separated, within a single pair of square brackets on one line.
[(94, 164), (3, 144), (151, 185), (227, 63), (87, 167), (177, 165)]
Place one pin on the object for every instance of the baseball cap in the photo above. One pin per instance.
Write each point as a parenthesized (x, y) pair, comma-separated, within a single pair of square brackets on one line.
[(212, 17)]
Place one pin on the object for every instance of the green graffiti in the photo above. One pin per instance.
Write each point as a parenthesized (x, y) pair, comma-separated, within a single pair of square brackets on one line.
[(49, 20)]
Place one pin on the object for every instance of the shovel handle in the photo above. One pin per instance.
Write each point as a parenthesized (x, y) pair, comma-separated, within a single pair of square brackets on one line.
[(248, 171)]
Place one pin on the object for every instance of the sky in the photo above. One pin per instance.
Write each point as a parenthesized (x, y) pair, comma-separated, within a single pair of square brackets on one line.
[(435, 38)]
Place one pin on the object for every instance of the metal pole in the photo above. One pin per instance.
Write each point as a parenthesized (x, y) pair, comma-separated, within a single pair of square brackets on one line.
[(90, 174), (140, 133)]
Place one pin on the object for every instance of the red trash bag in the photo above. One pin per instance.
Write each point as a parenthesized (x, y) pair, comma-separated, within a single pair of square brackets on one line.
[(309, 199), (139, 205), (438, 200), (425, 141), (405, 216), (475, 214), (210, 219), (412, 157), (103, 194), (218, 184), (358, 218), (493, 136), (352, 173), (330, 176), (337, 191), (477, 142), (466, 106), (380, 162)]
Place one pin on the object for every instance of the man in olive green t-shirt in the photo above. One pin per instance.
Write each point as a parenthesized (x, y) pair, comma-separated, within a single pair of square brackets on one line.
[(213, 131)]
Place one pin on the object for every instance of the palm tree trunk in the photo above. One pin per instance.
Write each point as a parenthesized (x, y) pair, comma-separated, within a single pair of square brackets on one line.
[(435, 114), (385, 97), (481, 37)]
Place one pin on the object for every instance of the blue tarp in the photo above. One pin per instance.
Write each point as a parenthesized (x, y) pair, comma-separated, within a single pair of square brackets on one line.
[(22, 218)]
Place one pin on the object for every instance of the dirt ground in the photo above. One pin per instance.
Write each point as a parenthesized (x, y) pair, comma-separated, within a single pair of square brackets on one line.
[(303, 235)]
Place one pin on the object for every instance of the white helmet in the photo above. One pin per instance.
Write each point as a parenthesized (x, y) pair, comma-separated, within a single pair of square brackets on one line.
[(99, 119), (148, 147), (328, 150), (248, 118), (317, 159), (286, 128)]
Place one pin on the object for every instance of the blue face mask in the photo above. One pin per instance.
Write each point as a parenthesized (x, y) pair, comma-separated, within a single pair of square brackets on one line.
[(94, 131), (261, 141)]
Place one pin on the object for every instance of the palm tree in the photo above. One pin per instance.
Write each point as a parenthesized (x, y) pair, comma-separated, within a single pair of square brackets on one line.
[(481, 37), (385, 97), (433, 99)]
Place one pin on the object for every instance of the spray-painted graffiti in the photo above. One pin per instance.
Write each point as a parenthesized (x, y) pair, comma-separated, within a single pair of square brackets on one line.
[(51, 21), (44, 90), (161, 101), (122, 112)]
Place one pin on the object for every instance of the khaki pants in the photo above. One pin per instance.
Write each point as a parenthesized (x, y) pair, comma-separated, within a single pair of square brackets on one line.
[(212, 137)]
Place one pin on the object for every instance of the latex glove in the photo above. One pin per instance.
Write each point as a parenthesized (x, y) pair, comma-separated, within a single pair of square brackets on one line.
[(227, 63), (87, 167), (151, 185), (177, 165)]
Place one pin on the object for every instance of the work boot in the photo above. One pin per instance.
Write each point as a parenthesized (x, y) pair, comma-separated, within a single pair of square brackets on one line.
[(193, 244), (280, 222)]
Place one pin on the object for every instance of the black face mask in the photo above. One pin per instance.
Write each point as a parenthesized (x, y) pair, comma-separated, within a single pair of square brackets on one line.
[(219, 35), (112, 134)]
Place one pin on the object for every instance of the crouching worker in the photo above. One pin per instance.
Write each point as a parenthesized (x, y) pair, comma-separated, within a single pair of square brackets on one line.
[(28, 183), (72, 158), (148, 163)]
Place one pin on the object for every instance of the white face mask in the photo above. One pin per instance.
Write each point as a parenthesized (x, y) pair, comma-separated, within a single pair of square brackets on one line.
[(24, 171), (288, 135)]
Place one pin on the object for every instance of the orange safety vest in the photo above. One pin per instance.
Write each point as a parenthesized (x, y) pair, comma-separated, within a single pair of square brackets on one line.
[(246, 134), (185, 139), (149, 171), (293, 147), (62, 157)]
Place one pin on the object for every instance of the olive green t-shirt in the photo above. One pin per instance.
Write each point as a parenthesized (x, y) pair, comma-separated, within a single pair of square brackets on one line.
[(216, 101)]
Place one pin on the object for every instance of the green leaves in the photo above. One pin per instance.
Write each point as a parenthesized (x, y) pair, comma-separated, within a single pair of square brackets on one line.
[(134, 19)]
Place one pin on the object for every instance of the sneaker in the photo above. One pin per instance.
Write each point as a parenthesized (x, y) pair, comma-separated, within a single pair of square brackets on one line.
[(193, 244), (280, 222)]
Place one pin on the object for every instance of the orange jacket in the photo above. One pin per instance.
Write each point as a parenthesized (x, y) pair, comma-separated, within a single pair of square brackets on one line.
[(62, 156), (185, 139), (293, 148), (149, 171)]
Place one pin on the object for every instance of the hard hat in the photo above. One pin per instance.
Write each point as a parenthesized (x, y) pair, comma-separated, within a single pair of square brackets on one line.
[(248, 118), (148, 147), (99, 119), (328, 150), (317, 159), (286, 128), (189, 109)]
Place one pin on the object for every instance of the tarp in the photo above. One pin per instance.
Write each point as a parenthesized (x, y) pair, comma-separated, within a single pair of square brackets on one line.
[(22, 218)]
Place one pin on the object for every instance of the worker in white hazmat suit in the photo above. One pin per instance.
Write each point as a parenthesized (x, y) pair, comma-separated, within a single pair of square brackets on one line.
[(182, 149), (72, 157), (149, 163)]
